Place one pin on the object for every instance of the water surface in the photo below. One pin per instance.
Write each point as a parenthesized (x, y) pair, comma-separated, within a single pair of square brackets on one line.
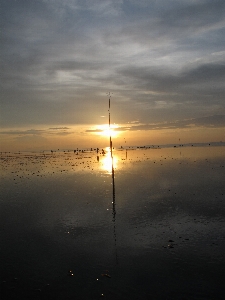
[(161, 235)]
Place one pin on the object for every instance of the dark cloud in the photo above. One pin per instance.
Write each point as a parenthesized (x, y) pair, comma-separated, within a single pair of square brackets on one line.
[(63, 133), (195, 15), (70, 66), (208, 76), (59, 128), (37, 132), (217, 121), (23, 132)]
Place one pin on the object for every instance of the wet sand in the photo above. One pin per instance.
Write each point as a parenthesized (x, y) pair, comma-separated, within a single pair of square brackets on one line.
[(64, 235)]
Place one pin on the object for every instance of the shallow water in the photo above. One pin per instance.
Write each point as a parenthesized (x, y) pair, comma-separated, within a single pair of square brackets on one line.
[(161, 235)]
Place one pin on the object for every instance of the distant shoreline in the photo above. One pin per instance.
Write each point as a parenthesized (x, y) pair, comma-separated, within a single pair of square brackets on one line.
[(86, 149)]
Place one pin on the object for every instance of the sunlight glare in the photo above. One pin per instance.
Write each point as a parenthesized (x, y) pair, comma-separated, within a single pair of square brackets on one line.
[(105, 131), (107, 161)]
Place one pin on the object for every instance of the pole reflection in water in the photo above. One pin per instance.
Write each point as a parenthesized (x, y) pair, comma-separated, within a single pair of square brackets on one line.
[(114, 207), (113, 182)]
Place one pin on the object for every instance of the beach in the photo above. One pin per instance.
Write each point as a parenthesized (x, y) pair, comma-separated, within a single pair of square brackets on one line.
[(154, 229)]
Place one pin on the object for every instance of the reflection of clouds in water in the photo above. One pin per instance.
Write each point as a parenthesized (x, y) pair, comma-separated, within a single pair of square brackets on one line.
[(166, 183)]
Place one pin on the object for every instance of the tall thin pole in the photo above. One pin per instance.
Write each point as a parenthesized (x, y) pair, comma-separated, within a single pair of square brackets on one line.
[(110, 138)]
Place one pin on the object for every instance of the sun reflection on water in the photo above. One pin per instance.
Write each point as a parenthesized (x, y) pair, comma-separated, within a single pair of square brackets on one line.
[(108, 161)]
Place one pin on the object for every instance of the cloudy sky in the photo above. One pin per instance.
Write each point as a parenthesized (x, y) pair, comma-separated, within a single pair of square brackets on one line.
[(162, 60)]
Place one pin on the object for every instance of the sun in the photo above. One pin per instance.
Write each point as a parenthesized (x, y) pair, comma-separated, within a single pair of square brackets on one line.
[(105, 131)]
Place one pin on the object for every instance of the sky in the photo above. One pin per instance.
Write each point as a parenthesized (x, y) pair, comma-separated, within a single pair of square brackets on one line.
[(163, 61)]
